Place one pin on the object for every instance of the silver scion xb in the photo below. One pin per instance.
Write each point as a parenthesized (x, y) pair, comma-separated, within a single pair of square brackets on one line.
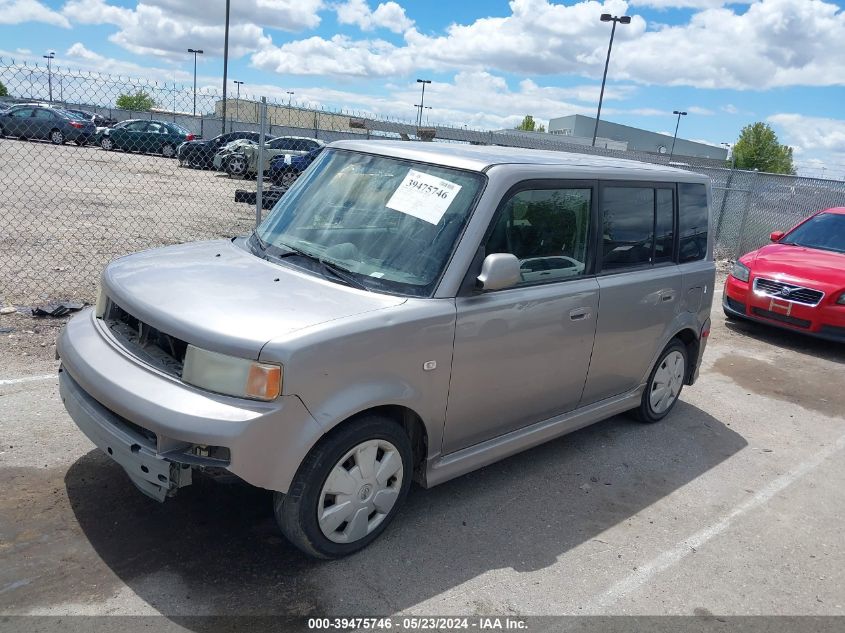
[(407, 311)]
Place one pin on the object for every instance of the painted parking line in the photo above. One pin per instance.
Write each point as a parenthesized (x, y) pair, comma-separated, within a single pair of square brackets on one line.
[(17, 381), (682, 549)]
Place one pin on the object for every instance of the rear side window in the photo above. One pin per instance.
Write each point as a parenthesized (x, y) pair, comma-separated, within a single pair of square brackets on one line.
[(664, 225), (627, 227), (693, 220), (44, 114)]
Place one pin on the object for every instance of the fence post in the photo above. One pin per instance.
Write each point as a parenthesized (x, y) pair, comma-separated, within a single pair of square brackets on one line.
[(725, 195), (741, 236), (259, 176)]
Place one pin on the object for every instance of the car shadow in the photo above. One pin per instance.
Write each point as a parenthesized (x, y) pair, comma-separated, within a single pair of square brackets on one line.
[(215, 548), (795, 341)]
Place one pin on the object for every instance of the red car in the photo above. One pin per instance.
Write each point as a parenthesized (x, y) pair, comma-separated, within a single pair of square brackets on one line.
[(796, 283)]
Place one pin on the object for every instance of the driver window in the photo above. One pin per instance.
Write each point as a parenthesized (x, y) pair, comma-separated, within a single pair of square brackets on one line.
[(547, 230)]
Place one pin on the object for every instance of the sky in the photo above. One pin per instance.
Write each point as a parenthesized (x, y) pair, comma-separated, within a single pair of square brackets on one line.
[(491, 62)]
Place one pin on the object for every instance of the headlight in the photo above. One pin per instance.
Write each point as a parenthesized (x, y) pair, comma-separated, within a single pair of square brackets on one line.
[(841, 299), (102, 300), (740, 271), (230, 375)]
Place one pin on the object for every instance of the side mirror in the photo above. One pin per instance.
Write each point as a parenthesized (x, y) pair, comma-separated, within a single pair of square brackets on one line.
[(776, 236), (499, 271)]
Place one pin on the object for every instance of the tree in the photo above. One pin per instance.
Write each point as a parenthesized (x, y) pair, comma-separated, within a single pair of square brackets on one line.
[(140, 102), (527, 124), (758, 148), (3, 91)]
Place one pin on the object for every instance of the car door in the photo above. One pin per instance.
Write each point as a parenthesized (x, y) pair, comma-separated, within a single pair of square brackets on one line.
[(43, 120), (640, 284), (18, 122), (131, 136), (521, 354)]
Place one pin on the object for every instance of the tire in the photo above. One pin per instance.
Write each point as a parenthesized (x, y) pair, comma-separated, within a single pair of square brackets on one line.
[(335, 463), (288, 178), (168, 151), (236, 166), (81, 142), (2, 132), (57, 137), (106, 143), (667, 377)]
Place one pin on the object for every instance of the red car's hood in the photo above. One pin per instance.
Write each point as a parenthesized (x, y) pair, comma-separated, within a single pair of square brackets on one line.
[(822, 269)]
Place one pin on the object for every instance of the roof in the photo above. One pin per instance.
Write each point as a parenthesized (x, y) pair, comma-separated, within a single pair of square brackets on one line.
[(482, 157), (836, 210)]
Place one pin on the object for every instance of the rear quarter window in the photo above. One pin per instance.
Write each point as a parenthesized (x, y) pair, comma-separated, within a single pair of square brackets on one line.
[(693, 221)]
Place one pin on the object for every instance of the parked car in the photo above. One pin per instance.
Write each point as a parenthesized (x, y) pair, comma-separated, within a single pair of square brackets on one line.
[(285, 168), (97, 119), (376, 328), (240, 158), (200, 153), (141, 135), (797, 282), (31, 121)]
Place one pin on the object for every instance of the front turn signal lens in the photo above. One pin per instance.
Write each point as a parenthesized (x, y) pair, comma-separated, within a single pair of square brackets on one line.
[(230, 375), (264, 382)]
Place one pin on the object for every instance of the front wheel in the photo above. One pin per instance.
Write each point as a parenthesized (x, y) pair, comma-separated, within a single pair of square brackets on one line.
[(236, 166), (57, 137), (167, 150), (106, 143), (348, 488), (664, 384)]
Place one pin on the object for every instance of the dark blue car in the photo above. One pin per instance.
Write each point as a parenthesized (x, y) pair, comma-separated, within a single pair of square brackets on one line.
[(285, 168)]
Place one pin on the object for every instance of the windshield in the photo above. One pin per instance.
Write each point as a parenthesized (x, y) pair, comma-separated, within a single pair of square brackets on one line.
[(391, 223), (825, 231)]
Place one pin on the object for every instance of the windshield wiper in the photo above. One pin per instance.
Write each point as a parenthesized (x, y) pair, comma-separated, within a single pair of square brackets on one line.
[(341, 273)]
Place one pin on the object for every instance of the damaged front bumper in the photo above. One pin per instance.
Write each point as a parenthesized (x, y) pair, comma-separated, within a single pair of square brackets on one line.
[(153, 474)]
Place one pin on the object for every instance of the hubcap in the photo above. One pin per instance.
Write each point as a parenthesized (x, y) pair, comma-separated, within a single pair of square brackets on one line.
[(237, 165), (57, 137), (667, 382), (106, 143), (167, 151), (360, 491)]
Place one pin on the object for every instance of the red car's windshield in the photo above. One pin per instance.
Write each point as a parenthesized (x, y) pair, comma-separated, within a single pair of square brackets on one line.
[(826, 231)]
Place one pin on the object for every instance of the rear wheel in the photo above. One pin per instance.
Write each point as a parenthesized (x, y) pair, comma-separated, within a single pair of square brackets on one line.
[(348, 488), (167, 150), (664, 384), (106, 143), (57, 137)]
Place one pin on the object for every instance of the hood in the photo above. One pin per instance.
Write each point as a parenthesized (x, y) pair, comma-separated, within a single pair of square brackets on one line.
[(813, 267), (237, 145), (220, 297)]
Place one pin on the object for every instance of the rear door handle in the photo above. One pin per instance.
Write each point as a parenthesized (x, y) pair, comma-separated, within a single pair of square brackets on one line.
[(580, 314), (667, 295)]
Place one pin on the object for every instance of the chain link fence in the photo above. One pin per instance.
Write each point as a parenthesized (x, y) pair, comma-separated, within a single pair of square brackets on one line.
[(85, 181)]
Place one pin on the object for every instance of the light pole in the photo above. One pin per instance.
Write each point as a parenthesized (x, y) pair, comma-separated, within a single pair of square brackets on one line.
[(420, 108), (606, 17), (290, 95), (675, 138), (195, 51), (49, 57), (225, 63), (422, 99), (237, 105)]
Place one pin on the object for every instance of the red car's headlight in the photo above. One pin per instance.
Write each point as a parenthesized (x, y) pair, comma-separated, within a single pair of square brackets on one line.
[(841, 299)]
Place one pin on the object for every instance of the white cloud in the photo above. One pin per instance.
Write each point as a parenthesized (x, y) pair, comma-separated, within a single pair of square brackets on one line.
[(700, 111), (772, 43), (730, 108), (388, 15), (20, 11), (167, 28), (818, 143), (685, 4)]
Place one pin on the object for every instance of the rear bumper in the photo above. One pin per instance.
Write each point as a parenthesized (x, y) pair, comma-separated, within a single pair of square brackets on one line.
[(824, 321), (113, 397)]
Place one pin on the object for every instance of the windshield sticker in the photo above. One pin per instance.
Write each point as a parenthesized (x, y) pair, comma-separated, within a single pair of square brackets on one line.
[(423, 196)]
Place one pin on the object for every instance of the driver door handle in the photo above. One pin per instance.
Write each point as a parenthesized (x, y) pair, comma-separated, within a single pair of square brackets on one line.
[(580, 314)]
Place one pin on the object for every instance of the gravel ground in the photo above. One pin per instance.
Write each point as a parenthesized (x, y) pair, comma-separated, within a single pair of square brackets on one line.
[(732, 506), (66, 211)]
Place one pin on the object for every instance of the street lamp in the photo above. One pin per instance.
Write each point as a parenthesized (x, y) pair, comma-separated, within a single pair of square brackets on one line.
[(195, 51), (674, 138), (49, 57), (419, 114), (237, 105), (290, 94), (422, 99), (225, 63), (606, 17)]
